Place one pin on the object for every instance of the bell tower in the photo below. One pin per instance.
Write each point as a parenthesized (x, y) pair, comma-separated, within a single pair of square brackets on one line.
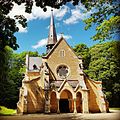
[(52, 37)]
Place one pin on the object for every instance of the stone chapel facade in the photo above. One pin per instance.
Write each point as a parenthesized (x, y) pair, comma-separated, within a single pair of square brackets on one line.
[(56, 82)]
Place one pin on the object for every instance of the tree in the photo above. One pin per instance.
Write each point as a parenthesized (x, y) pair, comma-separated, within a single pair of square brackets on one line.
[(105, 66), (83, 51), (106, 25), (9, 86), (5, 83), (8, 26), (105, 17)]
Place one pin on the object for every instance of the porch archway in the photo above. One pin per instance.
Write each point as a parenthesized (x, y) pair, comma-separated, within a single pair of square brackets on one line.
[(66, 102)]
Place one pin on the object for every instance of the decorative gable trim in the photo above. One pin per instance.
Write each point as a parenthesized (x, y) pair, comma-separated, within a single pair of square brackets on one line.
[(54, 47), (61, 86), (77, 87)]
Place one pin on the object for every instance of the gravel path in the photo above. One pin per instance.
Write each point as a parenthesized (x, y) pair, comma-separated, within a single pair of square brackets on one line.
[(114, 115)]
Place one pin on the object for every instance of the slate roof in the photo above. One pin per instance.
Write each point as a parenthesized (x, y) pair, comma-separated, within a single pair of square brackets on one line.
[(73, 83), (57, 83)]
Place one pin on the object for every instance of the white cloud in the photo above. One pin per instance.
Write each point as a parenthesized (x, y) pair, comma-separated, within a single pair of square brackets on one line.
[(61, 12), (21, 29), (37, 13), (48, 27), (40, 43), (77, 14), (56, 25), (64, 36), (43, 42)]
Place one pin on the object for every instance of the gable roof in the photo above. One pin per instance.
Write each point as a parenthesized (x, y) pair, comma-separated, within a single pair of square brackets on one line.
[(31, 79), (55, 46)]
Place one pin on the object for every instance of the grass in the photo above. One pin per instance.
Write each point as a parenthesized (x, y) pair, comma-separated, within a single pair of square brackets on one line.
[(114, 108), (6, 111)]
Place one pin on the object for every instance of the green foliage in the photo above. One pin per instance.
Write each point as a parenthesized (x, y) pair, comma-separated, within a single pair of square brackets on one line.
[(8, 25), (12, 77), (83, 51), (101, 17), (6, 85), (105, 66), (4, 60), (106, 28), (105, 16), (114, 108), (6, 111), (102, 63)]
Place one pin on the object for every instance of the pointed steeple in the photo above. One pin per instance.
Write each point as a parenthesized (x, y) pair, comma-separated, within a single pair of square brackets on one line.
[(52, 37)]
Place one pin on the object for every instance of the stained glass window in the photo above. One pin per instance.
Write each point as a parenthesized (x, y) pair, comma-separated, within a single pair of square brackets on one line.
[(62, 71)]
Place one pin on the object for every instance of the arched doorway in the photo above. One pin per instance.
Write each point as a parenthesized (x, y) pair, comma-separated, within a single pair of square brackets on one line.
[(53, 102), (79, 102), (66, 102)]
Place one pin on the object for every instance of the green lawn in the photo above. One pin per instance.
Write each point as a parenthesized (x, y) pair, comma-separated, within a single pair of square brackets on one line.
[(6, 111), (114, 108)]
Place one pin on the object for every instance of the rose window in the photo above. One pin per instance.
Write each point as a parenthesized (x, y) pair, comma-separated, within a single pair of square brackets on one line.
[(62, 71)]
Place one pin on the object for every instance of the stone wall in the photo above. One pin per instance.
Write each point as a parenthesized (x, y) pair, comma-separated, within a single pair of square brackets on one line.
[(69, 59)]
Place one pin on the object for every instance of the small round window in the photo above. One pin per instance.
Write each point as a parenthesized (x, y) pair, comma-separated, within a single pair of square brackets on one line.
[(62, 71)]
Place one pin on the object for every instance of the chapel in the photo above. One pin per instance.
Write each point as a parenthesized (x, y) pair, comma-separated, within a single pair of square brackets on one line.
[(56, 83)]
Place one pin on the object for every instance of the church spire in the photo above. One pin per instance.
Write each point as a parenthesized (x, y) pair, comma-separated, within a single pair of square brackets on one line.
[(52, 38)]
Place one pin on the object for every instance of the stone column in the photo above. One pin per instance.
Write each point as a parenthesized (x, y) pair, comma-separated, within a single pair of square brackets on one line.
[(47, 102), (58, 110), (102, 103), (75, 110), (85, 107), (25, 105), (47, 88)]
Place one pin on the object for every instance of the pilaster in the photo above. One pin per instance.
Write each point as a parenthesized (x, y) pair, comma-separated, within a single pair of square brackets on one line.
[(85, 106), (47, 88), (58, 110), (75, 110)]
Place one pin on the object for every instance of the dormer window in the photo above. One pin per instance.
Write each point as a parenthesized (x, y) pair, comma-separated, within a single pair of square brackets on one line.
[(62, 53), (35, 67)]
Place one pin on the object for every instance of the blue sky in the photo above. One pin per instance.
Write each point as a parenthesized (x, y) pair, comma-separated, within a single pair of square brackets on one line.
[(68, 20)]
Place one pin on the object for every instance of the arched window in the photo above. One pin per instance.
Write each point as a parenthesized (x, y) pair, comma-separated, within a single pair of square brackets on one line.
[(35, 67), (62, 53)]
